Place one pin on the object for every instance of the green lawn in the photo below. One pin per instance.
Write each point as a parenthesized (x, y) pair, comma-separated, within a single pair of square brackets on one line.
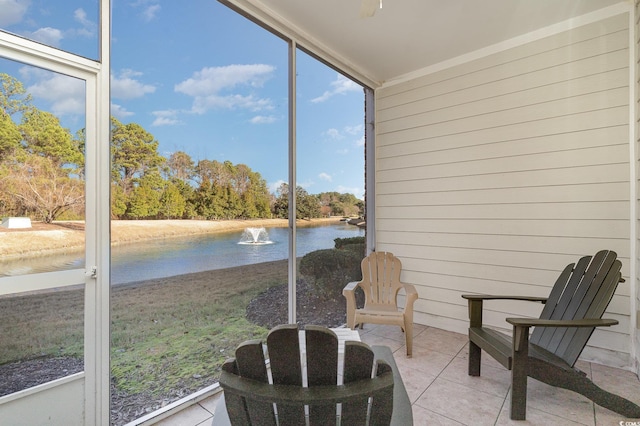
[(169, 336)]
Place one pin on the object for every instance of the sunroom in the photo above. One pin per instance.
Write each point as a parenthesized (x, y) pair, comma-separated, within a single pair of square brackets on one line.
[(501, 145)]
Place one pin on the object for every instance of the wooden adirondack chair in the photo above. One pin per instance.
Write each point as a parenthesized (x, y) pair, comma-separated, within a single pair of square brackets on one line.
[(571, 312), (381, 284), (252, 400)]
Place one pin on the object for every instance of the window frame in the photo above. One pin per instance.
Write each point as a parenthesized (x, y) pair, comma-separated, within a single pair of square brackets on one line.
[(95, 275)]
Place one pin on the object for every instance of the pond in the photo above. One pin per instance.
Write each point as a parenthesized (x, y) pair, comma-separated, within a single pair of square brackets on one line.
[(182, 255)]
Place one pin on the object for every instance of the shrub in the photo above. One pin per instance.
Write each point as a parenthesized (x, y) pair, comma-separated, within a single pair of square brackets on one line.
[(354, 244), (329, 270), (357, 248), (341, 242)]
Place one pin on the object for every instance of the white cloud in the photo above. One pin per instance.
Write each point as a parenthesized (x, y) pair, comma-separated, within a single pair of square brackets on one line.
[(166, 118), (81, 16), (339, 86), (358, 192), (12, 11), (333, 133), (164, 121), (202, 104), (68, 106), (126, 86), (47, 35), (262, 119), (88, 27), (208, 85), (306, 185), (150, 12), (120, 112), (274, 186), (357, 130), (336, 134), (353, 130), (54, 36), (212, 80), (28, 73), (66, 94), (325, 176), (150, 8)]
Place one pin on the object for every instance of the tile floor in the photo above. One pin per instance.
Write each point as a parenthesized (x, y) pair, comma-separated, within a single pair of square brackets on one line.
[(443, 394)]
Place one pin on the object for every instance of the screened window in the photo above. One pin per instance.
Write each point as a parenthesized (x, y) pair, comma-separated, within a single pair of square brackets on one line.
[(70, 25), (42, 204)]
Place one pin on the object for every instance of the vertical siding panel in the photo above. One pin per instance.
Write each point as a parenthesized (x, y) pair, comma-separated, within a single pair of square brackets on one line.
[(493, 175)]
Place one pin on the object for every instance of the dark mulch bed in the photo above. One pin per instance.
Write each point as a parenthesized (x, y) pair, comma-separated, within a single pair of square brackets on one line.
[(271, 307), (25, 374), (268, 310)]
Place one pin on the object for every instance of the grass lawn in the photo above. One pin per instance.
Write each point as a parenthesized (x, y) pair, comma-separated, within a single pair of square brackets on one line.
[(169, 336)]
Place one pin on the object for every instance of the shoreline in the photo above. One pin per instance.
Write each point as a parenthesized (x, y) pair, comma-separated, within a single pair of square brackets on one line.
[(68, 236), (210, 277)]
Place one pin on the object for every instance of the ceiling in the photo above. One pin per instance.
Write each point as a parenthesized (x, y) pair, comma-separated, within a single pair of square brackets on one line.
[(408, 35)]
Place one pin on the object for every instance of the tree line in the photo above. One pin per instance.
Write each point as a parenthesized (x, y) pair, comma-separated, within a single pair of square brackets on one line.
[(42, 175)]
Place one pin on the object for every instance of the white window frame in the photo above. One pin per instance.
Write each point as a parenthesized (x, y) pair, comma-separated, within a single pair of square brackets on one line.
[(95, 275)]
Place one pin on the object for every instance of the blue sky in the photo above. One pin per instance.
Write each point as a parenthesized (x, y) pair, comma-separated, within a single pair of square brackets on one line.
[(203, 80)]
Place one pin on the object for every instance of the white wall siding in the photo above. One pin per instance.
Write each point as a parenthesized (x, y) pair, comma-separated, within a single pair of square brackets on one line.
[(493, 175)]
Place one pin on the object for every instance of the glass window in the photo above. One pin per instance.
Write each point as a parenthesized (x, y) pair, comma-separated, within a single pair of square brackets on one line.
[(199, 148), (42, 337), (42, 190), (329, 191), (200, 187), (42, 168), (70, 25)]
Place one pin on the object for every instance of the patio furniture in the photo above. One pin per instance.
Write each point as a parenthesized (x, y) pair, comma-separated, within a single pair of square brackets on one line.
[(572, 311), (303, 378), (381, 285)]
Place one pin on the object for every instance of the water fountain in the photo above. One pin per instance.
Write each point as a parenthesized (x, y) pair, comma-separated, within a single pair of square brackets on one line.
[(255, 236)]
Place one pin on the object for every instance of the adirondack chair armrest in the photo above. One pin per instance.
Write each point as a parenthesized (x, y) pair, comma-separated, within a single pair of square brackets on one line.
[(411, 293), (475, 304), (536, 322), (521, 327), (350, 288), (315, 395), (349, 293), (501, 297)]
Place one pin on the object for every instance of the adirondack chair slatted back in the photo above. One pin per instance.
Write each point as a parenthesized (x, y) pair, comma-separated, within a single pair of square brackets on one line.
[(357, 365), (286, 369), (283, 400), (380, 279), (583, 290), (251, 364)]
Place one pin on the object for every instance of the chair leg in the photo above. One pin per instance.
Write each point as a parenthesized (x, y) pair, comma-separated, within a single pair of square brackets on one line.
[(408, 337), (351, 321), (519, 370), (518, 394), (475, 356)]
